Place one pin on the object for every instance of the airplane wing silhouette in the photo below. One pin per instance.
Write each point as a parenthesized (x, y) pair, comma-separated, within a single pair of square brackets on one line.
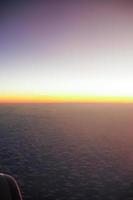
[(9, 189)]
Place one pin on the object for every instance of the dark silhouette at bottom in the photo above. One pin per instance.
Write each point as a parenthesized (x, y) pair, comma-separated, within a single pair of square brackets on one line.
[(9, 189)]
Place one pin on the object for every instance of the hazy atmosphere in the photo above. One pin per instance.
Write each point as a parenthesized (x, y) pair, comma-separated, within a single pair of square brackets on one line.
[(66, 49), (66, 98)]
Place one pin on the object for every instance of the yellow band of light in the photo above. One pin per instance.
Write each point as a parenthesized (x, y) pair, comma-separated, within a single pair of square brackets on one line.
[(63, 99)]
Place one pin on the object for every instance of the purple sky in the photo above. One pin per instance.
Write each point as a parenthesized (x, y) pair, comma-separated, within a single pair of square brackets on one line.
[(67, 47)]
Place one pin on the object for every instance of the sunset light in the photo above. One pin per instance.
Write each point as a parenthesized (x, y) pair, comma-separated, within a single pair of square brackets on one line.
[(88, 59), (66, 99)]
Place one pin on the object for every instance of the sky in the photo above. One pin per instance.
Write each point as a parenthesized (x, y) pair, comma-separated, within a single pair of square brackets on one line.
[(66, 51)]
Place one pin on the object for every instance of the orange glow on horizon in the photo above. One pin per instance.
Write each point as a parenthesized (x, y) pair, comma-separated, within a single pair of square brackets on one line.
[(63, 99)]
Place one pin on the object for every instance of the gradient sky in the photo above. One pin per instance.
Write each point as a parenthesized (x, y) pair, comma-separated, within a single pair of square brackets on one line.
[(66, 50)]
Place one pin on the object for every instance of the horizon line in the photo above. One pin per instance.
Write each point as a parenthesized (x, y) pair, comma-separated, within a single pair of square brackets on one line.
[(49, 99)]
